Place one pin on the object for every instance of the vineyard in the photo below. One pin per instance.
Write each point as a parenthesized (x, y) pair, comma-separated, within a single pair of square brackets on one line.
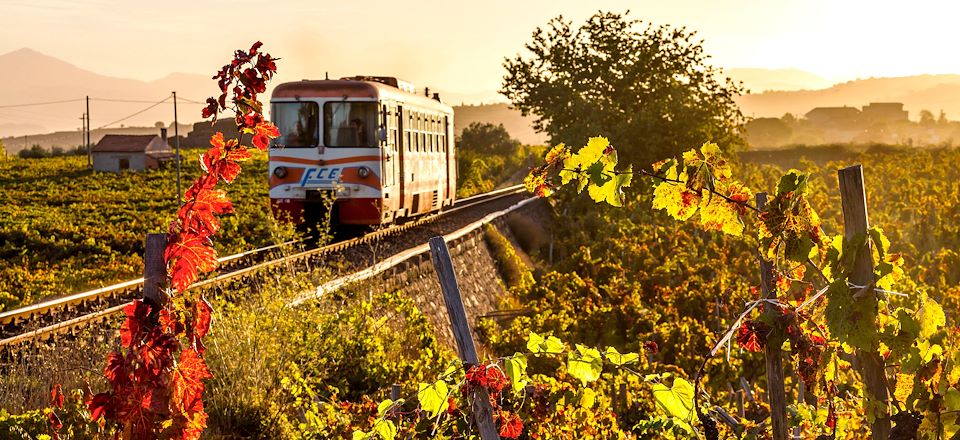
[(630, 278), (695, 297), (65, 229)]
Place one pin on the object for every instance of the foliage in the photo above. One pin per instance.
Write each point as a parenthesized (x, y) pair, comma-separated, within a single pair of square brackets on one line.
[(486, 138), (38, 152), (841, 320), (480, 171), (512, 268), (631, 81), (154, 391), (65, 228)]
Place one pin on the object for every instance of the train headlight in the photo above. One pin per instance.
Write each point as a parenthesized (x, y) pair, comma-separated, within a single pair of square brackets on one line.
[(363, 172), (280, 172)]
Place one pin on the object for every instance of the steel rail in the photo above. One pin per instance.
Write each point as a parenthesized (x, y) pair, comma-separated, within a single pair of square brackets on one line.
[(22, 314)]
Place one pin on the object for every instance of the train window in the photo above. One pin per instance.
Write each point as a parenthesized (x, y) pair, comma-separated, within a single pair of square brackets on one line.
[(350, 124), (298, 122)]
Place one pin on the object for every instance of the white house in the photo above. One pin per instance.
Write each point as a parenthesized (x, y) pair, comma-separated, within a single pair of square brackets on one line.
[(118, 152)]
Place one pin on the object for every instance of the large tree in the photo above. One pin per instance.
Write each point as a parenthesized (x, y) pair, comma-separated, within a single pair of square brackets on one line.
[(649, 89)]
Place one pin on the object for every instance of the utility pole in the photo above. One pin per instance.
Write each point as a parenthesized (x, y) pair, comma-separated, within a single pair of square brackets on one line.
[(83, 129), (176, 140), (89, 160)]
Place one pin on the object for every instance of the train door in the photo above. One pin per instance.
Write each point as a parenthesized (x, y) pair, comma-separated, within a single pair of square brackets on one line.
[(389, 121), (402, 157)]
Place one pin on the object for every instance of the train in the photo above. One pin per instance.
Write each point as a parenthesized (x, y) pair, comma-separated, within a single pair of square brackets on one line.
[(363, 150)]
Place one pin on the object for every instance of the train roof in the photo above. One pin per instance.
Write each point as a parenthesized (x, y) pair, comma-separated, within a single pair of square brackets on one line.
[(354, 88)]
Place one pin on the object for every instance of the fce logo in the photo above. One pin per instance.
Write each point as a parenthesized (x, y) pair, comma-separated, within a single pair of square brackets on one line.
[(320, 176)]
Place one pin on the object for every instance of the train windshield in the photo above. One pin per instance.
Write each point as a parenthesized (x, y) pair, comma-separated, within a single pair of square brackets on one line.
[(298, 123), (350, 124)]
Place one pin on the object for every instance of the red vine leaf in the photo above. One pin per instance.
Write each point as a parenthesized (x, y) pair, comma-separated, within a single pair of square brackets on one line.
[(188, 392), (132, 327), (99, 406), (263, 133), (201, 324), (157, 351), (56, 396), (186, 256), (199, 214), (510, 425)]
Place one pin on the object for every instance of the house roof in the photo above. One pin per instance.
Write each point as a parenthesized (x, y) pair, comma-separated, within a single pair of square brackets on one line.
[(129, 143)]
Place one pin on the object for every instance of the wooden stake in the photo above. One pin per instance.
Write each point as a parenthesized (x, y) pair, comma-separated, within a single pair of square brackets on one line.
[(443, 264), (772, 353), (154, 270), (855, 225)]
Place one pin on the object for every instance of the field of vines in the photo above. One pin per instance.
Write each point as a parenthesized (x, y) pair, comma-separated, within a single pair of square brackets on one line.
[(65, 229), (650, 293)]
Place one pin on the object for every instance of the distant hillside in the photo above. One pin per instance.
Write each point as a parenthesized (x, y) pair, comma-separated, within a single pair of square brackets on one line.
[(921, 92), (759, 80), (29, 77), (519, 127), (70, 139)]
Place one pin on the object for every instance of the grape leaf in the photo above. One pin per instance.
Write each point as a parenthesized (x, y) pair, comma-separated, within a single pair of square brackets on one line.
[(385, 429), (516, 369), (537, 344), (618, 359), (201, 317), (676, 401), (585, 364), (263, 133), (675, 198), (187, 255), (931, 317), (433, 397), (199, 213), (612, 191)]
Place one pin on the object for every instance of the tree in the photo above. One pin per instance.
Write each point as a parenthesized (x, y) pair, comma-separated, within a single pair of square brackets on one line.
[(768, 132), (926, 118), (3, 150), (647, 88), (486, 138)]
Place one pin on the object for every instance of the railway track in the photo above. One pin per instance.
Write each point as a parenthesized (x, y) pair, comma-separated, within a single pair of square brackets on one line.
[(47, 319)]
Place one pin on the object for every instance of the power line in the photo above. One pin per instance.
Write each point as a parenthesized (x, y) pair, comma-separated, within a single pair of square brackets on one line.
[(135, 100), (134, 114), (41, 103)]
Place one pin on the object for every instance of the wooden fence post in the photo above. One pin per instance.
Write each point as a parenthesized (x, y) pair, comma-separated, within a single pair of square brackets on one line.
[(772, 353), (855, 223), (443, 264), (154, 270)]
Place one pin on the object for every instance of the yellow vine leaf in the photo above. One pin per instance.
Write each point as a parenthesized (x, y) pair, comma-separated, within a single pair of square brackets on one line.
[(680, 202), (719, 214)]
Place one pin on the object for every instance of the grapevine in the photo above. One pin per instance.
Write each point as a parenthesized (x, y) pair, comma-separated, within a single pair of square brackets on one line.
[(156, 378), (823, 330)]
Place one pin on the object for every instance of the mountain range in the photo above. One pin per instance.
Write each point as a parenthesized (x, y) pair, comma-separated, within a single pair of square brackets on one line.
[(29, 77), (918, 92)]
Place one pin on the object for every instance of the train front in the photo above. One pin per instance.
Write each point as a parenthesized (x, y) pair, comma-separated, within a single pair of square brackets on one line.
[(328, 155)]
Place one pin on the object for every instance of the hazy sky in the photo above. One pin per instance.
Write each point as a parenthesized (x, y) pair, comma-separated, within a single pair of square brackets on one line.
[(459, 45)]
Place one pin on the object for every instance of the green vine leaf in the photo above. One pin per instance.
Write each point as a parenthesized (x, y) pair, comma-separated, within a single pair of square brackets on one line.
[(585, 364), (539, 344), (433, 397), (618, 359), (852, 321), (676, 401), (385, 429), (516, 369)]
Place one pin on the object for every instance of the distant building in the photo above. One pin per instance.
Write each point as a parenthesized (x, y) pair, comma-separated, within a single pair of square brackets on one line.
[(119, 152), (883, 112), (834, 116)]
